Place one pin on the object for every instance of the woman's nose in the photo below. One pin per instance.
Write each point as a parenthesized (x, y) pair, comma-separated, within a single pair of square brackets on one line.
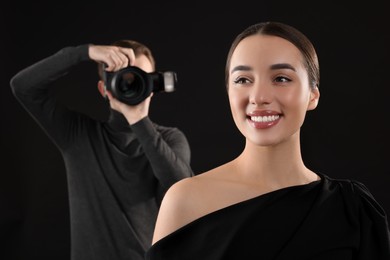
[(261, 94)]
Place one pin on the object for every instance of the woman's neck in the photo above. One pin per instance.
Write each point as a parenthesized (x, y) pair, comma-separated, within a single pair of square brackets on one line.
[(280, 165)]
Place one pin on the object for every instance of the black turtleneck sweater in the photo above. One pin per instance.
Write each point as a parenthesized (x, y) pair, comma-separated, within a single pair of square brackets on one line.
[(117, 173)]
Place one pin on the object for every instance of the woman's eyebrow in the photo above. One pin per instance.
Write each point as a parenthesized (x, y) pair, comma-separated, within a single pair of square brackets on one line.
[(241, 67), (279, 66)]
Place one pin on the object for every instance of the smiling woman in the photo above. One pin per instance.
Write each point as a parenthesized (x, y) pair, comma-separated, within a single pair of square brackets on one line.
[(266, 204)]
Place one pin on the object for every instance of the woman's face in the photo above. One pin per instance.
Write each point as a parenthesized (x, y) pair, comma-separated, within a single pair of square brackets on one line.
[(268, 89)]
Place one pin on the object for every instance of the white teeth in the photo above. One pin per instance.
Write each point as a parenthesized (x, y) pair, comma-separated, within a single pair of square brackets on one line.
[(264, 118)]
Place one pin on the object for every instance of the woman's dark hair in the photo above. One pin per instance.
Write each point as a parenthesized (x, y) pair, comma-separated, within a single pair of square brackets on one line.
[(288, 33)]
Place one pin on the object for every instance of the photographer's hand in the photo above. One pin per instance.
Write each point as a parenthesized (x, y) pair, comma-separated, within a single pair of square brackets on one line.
[(113, 56), (132, 113)]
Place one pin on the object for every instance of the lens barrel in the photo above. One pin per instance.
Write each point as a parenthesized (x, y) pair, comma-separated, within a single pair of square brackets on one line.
[(132, 85)]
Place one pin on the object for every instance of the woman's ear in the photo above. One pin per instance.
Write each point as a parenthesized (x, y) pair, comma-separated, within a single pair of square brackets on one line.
[(101, 88), (314, 98)]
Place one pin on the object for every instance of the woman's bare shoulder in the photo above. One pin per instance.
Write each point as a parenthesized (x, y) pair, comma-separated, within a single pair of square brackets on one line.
[(187, 191), (183, 203), (189, 188)]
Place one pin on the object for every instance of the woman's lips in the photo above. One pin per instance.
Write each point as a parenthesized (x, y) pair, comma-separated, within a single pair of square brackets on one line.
[(263, 119)]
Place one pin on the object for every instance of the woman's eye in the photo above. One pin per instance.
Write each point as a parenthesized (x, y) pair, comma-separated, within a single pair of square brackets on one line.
[(282, 79), (240, 81)]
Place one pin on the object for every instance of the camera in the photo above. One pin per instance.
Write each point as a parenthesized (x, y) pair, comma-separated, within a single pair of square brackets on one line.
[(132, 85)]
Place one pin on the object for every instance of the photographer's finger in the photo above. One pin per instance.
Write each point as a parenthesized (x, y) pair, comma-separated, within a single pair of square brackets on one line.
[(124, 60), (130, 55), (112, 60), (120, 60)]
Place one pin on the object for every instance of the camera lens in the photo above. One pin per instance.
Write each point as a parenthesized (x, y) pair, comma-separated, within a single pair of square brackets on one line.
[(130, 85)]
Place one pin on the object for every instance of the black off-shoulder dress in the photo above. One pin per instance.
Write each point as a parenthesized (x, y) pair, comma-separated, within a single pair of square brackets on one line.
[(327, 219)]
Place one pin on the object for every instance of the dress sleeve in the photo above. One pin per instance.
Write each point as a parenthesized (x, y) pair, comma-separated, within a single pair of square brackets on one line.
[(374, 229)]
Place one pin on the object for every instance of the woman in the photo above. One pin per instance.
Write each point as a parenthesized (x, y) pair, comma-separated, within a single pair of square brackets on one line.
[(266, 204)]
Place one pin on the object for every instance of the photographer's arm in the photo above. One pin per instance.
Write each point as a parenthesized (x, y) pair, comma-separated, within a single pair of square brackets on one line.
[(133, 114), (168, 151), (31, 86)]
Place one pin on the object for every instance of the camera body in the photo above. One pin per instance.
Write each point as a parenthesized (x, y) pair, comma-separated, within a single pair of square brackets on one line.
[(132, 85)]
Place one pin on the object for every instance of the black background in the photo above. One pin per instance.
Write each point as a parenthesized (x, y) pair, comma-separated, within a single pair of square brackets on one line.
[(345, 137)]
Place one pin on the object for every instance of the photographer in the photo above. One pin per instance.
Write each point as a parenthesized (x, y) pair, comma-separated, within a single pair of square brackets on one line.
[(118, 170)]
